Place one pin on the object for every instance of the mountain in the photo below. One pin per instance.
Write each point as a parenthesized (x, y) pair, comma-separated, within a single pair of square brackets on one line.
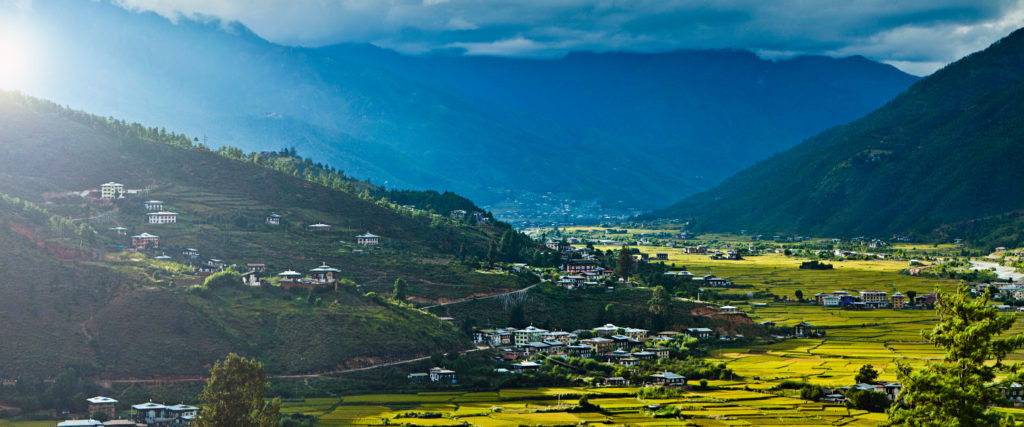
[(942, 155), (627, 130), (70, 296)]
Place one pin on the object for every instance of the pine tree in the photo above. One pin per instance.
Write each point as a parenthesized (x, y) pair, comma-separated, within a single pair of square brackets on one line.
[(234, 395), (958, 390), (624, 263), (401, 291)]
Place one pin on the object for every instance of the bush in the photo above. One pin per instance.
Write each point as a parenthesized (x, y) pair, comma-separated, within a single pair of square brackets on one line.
[(223, 279), (867, 400), (815, 265)]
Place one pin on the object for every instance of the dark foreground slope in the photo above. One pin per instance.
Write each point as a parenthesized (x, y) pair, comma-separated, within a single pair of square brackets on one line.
[(68, 296), (945, 152)]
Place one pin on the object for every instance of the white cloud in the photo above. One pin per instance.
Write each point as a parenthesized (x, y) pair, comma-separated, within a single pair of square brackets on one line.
[(917, 35)]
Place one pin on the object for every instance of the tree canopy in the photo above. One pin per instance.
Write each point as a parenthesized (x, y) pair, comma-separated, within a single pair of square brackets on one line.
[(234, 396)]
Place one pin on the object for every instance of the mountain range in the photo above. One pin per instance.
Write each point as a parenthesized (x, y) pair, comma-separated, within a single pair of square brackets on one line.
[(939, 161), (624, 129)]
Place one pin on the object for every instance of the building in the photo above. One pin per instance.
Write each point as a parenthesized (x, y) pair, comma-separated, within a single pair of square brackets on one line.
[(728, 309), (190, 253), (695, 249), (80, 423), (803, 329), (121, 231), (274, 219), (669, 379), (154, 205), (368, 239), (875, 299), (636, 333), (607, 330), (615, 382), (325, 275), (162, 217), (259, 268), (1014, 393), (559, 336), (159, 415), (457, 214), (290, 279), (111, 190), (661, 257), (145, 241), (251, 278), (898, 300), (819, 298), (580, 266), (321, 227), (441, 375), (525, 366), (830, 301), (102, 404), (699, 333), (660, 352), (580, 350), (598, 345), (527, 335)]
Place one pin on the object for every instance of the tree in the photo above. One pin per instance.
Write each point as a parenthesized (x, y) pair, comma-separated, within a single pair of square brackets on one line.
[(401, 291), (911, 295), (866, 375), (868, 400), (956, 390), (234, 395), (799, 295), (624, 263), (659, 305)]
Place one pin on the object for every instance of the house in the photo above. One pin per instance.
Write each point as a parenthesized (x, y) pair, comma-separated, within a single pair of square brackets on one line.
[(819, 298), (251, 278), (163, 257), (533, 347), (559, 336), (1014, 393), (368, 239), (695, 249), (121, 231), (210, 267), (645, 355), (875, 299), (155, 414), (525, 366), (607, 330), (659, 352), (598, 345), (669, 379), (457, 214), (699, 333), (580, 266), (926, 300), (325, 275), (111, 190), (274, 219), (666, 335), (190, 253), (162, 217), (102, 404), (502, 338), (441, 375), (768, 324), (580, 350), (661, 257), (145, 241), (418, 377), (154, 205), (321, 227), (615, 382), (527, 335), (636, 333), (898, 300), (728, 309), (830, 301), (290, 279), (892, 390), (259, 268), (803, 329)]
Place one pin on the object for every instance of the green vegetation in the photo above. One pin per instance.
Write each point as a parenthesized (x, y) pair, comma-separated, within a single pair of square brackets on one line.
[(235, 395), (908, 167)]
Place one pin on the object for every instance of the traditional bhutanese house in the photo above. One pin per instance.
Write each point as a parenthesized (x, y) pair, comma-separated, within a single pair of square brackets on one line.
[(163, 257), (121, 231), (368, 239), (898, 300), (102, 404), (145, 241), (579, 350), (661, 257), (636, 333), (668, 379), (629, 361), (666, 335), (699, 333), (274, 219), (534, 347), (290, 279), (184, 413), (660, 352), (525, 366), (325, 275), (150, 413), (580, 266), (615, 382), (614, 356), (819, 298), (418, 377), (252, 279), (209, 268), (555, 347), (190, 253), (803, 329), (528, 334), (162, 217), (259, 268), (111, 190), (607, 330), (441, 375), (598, 345), (830, 301), (1013, 393), (154, 205), (645, 355), (321, 227), (728, 309), (80, 423), (560, 336)]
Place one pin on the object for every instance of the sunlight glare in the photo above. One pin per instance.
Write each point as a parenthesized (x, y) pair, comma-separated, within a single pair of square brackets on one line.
[(15, 59)]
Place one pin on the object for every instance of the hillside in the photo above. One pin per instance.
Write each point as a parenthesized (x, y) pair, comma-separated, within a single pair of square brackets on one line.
[(942, 154), (437, 121), (70, 297)]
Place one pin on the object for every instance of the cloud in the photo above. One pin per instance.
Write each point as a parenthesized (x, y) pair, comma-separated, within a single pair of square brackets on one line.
[(913, 34)]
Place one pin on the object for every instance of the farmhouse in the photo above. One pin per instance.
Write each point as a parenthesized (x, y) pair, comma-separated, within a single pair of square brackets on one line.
[(190, 253), (830, 301), (819, 298), (121, 231), (321, 227), (274, 219), (441, 375), (289, 279), (259, 268), (598, 345), (875, 299), (252, 279), (325, 275), (102, 404), (155, 414), (529, 334), (368, 239), (145, 241), (898, 300), (580, 350), (803, 329), (580, 266), (80, 423), (111, 190), (457, 214), (162, 217), (154, 205), (668, 379), (699, 333), (525, 366), (615, 382), (728, 309), (607, 330)]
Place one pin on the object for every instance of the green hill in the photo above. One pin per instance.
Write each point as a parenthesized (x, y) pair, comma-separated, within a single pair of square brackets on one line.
[(947, 151), (70, 297)]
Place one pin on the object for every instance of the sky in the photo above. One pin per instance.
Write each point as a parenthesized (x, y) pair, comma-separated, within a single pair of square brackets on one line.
[(917, 36)]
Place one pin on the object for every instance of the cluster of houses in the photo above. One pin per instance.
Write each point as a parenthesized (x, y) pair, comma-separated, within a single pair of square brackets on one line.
[(889, 389), (1007, 290), (479, 218), (434, 375), (147, 414), (873, 299), (323, 276), (707, 280)]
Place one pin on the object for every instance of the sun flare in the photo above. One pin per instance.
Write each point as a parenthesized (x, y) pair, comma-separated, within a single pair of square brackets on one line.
[(15, 60)]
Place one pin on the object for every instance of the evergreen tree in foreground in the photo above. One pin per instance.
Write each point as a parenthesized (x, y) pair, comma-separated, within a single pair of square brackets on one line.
[(234, 396), (958, 391), (624, 263)]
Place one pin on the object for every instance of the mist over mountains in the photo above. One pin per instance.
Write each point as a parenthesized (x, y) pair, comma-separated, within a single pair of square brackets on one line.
[(625, 129)]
